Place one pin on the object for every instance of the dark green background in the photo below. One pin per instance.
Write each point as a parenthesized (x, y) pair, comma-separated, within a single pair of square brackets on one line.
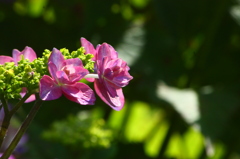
[(186, 44)]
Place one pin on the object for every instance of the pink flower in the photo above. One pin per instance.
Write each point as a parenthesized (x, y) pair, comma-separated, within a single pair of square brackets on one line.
[(112, 72), (27, 53), (113, 75), (65, 75)]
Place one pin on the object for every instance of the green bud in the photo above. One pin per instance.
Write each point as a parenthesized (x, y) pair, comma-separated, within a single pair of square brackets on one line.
[(9, 73)]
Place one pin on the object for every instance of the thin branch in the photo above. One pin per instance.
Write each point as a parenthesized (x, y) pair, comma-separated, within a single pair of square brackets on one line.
[(22, 129)]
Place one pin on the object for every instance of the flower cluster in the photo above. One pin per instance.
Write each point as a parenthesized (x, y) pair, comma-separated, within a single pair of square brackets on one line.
[(112, 73), (59, 73)]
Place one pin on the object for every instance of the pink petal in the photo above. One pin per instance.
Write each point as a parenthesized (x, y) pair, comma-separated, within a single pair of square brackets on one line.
[(29, 53), (74, 62), (4, 59), (57, 58), (114, 53), (30, 99), (90, 79), (80, 72), (116, 102), (52, 68), (106, 50), (103, 51), (16, 54), (88, 47), (48, 89), (79, 93), (62, 78)]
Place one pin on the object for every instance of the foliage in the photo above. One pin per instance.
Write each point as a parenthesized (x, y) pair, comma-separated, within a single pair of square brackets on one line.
[(188, 45)]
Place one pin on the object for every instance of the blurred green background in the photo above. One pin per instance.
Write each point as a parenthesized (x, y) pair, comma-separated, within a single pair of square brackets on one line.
[(184, 100)]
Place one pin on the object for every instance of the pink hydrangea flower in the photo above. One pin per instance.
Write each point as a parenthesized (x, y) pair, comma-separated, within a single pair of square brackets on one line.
[(27, 53), (65, 75), (112, 74)]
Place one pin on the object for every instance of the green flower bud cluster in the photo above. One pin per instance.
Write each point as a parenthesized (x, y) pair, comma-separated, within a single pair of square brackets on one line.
[(28, 74), (82, 130)]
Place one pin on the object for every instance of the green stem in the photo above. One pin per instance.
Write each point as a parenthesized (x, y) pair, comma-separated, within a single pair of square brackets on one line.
[(22, 129), (8, 115), (20, 103), (4, 104), (6, 120)]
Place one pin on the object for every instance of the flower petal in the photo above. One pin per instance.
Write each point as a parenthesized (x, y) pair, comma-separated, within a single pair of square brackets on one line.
[(30, 99), (80, 72), (48, 89), (116, 71), (57, 58), (52, 68), (106, 50), (29, 54), (79, 93), (62, 78), (88, 47), (90, 79), (74, 62), (116, 102), (4, 59), (16, 54)]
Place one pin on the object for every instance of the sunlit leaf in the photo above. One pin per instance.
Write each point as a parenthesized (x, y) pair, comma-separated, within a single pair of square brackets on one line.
[(142, 119), (153, 144)]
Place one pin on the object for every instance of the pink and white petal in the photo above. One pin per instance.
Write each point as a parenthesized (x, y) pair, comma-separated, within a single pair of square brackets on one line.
[(29, 54), (74, 62), (88, 47), (75, 73), (16, 54), (106, 50), (110, 88), (79, 93), (101, 65), (103, 51), (81, 72), (48, 89), (114, 53), (116, 103), (115, 62), (57, 58), (90, 79), (4, 59), (62, 78), (122, 79), (52, 68), (30, 99)]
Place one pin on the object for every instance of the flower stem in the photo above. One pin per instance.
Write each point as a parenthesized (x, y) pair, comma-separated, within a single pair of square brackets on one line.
[(8, 115), (23, 128), (92, 76), (6, 120), (20, 103)]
